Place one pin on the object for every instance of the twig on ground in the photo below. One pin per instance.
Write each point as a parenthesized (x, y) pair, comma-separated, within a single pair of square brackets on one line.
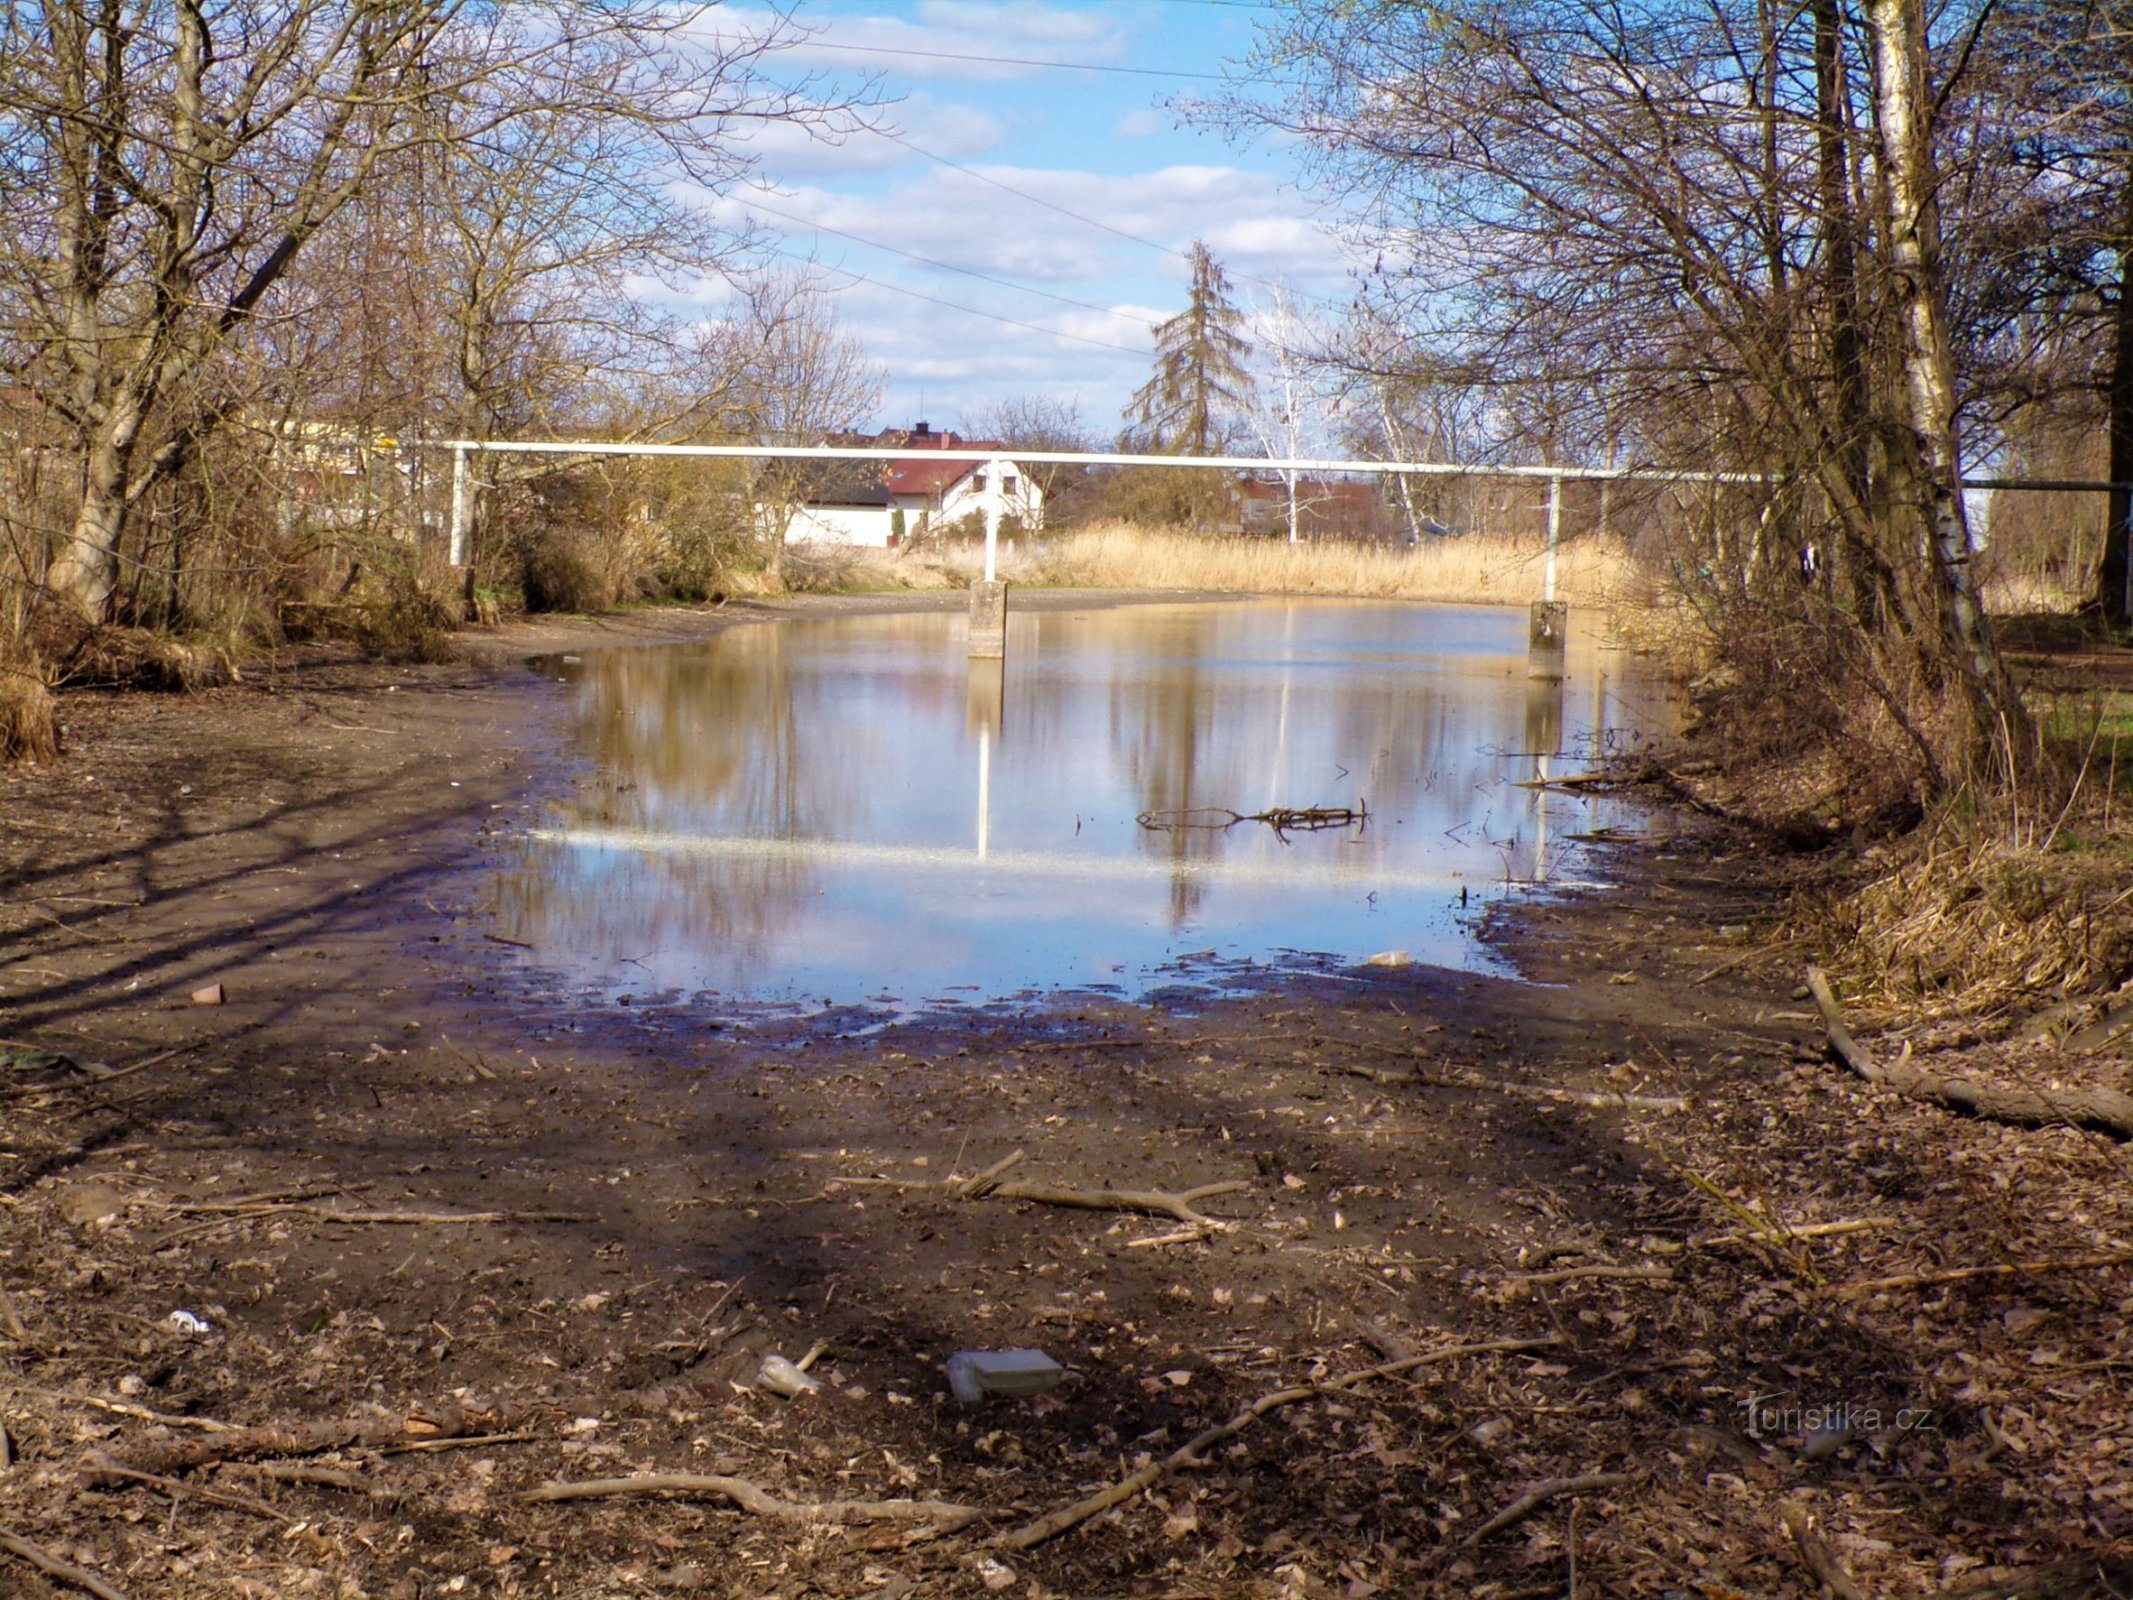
[(2008, 1269), (1153, 1042), (1159, 1202), (1596, 1099), (1188, 1235), (52, 1567), (461, 1441), (1817, 1556), (984, 1182), (95, 1074), (1533, 1280), (760, 1502), (1810, 1230), (412, 1218), (1053, 1523), (120, 1408), (177, 1490), (1539, 1495)]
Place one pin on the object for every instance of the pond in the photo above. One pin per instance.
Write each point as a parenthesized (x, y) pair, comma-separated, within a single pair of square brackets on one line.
[(848, 811)]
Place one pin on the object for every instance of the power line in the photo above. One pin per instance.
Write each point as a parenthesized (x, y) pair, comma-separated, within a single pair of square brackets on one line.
[(1093, 222), (945, 266), (1030, 61), (952, 305)]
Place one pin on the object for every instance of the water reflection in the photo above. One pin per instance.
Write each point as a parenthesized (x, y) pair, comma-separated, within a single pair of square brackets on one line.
[(850, 808)]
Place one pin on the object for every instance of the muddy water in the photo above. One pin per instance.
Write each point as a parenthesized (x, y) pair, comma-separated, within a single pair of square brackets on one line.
[(848, 811)]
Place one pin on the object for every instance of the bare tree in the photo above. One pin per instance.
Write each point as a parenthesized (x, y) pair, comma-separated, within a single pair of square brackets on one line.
[(1669, 220), (1291, 404), (172, 161), (781, 369)]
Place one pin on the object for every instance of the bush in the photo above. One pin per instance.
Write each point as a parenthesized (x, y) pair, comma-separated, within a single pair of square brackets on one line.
[(560, 569), (406, 620)]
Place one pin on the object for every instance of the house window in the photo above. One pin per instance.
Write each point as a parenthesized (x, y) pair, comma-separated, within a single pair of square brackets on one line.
[(1007, 484), (977, 482)]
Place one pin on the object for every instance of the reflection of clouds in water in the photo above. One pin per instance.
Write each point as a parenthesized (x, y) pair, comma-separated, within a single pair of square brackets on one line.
[(795, 808)]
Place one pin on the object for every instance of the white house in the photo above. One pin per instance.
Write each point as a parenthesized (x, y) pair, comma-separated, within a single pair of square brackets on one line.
[(915, 494)]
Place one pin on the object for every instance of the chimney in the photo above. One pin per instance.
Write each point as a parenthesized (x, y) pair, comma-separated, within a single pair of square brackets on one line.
[(921, 431)]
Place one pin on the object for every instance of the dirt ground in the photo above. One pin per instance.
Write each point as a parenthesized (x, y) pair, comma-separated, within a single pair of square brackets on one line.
[(1670, 1304)]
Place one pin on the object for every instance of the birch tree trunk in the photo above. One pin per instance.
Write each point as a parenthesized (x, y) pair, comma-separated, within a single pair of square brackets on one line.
[(1931, 457)]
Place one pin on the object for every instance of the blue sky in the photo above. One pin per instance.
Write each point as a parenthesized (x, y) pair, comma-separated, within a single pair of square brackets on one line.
[(1071, 191)]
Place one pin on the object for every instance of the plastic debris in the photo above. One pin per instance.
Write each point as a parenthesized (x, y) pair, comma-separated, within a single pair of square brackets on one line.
[(209, 996), (186, 1322), (781, 1376), (974, 1374)]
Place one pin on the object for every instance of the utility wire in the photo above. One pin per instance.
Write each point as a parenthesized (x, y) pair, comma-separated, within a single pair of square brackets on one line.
[(952, 305), (1094, 222), (946, 266), (826, 45)]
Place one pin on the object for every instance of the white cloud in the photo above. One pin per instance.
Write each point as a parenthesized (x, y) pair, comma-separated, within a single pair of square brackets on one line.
[(784, 151), (948, 40), (1140, 124)]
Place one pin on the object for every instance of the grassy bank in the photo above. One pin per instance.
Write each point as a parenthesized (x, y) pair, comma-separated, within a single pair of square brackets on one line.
[(1475, 570)]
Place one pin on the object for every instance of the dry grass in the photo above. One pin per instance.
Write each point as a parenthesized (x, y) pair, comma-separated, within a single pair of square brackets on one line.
[(2014, 594), (1978, 918), (858, 569), (27, 729), (1475, 570)]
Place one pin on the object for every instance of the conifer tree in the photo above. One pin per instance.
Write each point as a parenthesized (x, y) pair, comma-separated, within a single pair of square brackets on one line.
[(1199, 369)]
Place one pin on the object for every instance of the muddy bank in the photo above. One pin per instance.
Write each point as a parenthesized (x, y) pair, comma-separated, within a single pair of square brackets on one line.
[(455, 1249)]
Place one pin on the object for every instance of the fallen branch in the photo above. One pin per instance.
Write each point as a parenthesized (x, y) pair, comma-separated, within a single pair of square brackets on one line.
[(177, 1491), (2010, 1269), (1535, 1280), (1816, 1556), (95, 1075), (51, 1566), (120, 1408), (2106, 1109), (170, 1456), (1053, 1523), (457, 1441), (1572, 780), (414, 1218), (760, 1502), (1187, 1235), (984, 1182), (1597, 1099), (1158, 1202), (1810, 1230), (1283, 820), (1539, 1495)]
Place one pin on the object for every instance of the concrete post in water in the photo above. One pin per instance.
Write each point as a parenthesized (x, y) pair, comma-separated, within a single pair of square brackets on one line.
[(985, 695), (1548, 629), (988, 620)]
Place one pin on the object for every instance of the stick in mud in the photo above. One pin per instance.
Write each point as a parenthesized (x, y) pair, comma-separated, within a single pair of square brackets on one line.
[(760, 1502), (1539, 1495), (1054, 1523)]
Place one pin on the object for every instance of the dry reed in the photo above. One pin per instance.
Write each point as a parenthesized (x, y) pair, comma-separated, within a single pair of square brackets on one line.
[(1974, 920), (28, 731), (1478, 569)]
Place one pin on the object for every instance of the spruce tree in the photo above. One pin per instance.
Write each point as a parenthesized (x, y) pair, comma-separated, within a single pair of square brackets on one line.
[(1199, 369)]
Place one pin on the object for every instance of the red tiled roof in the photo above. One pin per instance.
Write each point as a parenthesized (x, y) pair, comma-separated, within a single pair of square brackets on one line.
[(920, 477)]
